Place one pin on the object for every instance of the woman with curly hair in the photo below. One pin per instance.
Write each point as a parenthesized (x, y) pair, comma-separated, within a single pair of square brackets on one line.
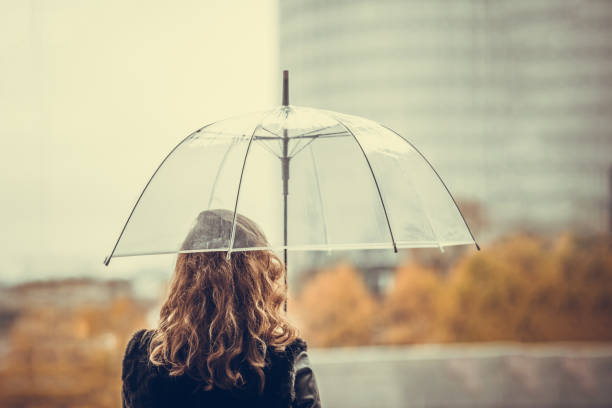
[(222, 338)]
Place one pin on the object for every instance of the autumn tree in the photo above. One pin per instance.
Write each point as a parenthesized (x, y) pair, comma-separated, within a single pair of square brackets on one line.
[(337, 309), (576, 302), (68, 356), (525, 288), (410, 309)]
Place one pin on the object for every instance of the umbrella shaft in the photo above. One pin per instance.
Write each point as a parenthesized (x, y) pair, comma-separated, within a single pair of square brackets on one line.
[(285, 250), (285, 164), (285, 172)]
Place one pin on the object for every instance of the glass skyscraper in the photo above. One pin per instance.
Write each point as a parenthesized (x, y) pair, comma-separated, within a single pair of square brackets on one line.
[(510, 101)]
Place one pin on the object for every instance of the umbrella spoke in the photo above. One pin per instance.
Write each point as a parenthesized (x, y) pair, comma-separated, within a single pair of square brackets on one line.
[(108, 258), (295, 151), (265, 145), (382, 201), (233, 234), (246, 155), (269, 131), (211, 169), (323, 135), (297, 144), (439, 178), (315, 131)]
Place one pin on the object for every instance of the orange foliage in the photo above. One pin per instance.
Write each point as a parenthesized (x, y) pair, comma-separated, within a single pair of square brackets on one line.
[(577, 302), (489, 293), (523, 289), (520, 288), (336, 308), (411, 308), (65, 357)]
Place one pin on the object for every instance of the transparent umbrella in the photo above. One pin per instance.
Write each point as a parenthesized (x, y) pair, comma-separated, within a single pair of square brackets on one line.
[(311, 179)]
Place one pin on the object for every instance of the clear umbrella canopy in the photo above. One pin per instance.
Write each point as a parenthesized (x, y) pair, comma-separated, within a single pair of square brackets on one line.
[(350, 183)]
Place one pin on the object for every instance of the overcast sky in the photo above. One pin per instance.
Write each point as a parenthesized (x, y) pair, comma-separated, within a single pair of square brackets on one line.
[(93, 95)]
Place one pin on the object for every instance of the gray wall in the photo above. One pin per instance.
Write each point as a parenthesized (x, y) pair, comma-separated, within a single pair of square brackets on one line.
[(497, 375)]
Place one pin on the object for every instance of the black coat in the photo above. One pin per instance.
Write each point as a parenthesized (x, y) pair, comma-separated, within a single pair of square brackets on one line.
[(289, 382)]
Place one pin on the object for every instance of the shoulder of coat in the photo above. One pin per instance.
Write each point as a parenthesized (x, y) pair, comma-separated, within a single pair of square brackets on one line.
[(291, 350), (138, 343), (298, 345)]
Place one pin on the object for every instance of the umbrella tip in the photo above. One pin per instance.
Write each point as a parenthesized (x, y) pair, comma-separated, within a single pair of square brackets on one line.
[(285, 88), (477, 246), (106, 260)]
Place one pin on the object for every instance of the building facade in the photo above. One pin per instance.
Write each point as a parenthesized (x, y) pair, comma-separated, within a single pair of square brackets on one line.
[(510, 101)]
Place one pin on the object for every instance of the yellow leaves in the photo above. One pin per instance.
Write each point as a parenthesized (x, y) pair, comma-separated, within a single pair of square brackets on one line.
[(488, 292), (68, 356), (411, 308), (521, 288), (337, 308)]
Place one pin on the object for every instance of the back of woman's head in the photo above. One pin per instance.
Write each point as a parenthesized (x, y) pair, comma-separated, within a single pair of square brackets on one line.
[(220, 314)]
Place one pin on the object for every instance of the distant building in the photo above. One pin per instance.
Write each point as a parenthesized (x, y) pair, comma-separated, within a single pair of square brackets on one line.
[(68, 293), (511, 101)]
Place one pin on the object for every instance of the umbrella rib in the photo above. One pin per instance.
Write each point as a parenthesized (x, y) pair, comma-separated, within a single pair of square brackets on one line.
[(246, 155), (296, 150), (439, 178), (322, 135), (269, 131), (427, 215), (312, 139), (314, 131), (382, 201), (108, 258), (299, 146), (268, 148)]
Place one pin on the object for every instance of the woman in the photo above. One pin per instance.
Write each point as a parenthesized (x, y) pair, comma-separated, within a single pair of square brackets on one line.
[(222, 338)]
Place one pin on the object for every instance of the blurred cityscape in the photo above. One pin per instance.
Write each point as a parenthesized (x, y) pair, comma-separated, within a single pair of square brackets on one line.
[(509, 101), (512, 104), (528, 322)]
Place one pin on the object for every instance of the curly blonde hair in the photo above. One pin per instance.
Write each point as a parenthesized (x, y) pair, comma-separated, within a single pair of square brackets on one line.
[(221, 314)]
